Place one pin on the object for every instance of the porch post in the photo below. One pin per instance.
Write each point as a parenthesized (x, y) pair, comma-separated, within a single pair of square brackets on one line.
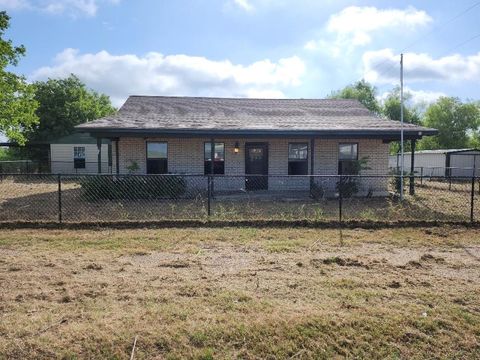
[(412, 167), (99, 155), (117, 157), (312, 162)]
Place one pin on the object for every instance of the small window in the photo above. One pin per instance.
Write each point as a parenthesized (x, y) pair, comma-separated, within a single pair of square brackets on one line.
[(218, 159), (347, 159), (157, 158), (297, 159), (79, 157)]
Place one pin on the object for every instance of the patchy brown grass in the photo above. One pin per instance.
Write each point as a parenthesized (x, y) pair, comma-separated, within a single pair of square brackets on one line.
[(240, 293)]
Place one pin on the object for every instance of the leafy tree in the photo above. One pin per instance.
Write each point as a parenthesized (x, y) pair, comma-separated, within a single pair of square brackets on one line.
[(455, 121), (17, 103), (362, 91), (63, 104), (391, 110)]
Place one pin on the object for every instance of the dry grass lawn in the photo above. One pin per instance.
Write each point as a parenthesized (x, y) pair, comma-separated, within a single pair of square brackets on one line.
[(240, 293)]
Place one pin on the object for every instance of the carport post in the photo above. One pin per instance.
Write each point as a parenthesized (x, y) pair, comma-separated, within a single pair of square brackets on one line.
[(412, 167), (99, 155)]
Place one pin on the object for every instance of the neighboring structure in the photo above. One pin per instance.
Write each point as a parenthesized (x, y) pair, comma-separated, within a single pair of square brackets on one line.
[(78, 154), (442, 162), (248, 137)]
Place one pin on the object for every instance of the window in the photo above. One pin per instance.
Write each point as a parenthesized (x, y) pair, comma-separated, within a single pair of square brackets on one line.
[(297, 159), (218, 159), (347, 159), (79, 157), (157, 158)]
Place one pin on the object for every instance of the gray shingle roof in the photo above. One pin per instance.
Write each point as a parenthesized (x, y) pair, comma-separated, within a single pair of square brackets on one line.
[(156, 113)]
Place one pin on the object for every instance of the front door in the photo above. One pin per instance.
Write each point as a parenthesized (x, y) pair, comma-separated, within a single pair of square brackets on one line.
[(256, 166)]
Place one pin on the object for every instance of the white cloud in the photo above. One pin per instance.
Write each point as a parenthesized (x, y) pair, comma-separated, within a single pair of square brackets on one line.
[(244, 4), (251, 6), (71, 7), (14, 4), (424, 97), (158, 74), (382, 66), (417, 97), (354, 26)]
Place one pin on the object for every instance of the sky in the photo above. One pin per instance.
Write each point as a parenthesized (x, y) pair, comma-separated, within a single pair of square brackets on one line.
[(250, 48)]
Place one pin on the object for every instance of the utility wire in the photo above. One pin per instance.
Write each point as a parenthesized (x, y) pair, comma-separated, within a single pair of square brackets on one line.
[(434, 30), (388, 70)]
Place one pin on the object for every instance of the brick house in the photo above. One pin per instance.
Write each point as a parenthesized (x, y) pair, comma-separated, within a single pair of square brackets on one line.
[(248, 137)]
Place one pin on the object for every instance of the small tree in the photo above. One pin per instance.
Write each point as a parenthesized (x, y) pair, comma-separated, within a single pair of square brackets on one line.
[(133, 167), (348, 185)]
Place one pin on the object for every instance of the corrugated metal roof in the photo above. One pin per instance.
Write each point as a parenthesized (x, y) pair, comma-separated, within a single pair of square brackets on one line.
[(442, 151), (199, 113)]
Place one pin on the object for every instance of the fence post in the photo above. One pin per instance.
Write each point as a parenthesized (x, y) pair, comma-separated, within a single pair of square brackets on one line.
[(340, 200), (421, 175), (209, 194), (59, 198), (472, 197)]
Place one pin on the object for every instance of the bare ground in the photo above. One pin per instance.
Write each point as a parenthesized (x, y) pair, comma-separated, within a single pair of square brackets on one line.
[(240, 293)]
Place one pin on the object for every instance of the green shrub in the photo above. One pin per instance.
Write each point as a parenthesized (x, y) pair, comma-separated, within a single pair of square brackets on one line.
[(133, 187), (317, 191), (395, 182), (347, 186)]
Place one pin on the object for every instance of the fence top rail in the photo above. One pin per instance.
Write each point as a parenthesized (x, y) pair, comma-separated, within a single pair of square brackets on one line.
[(218, 176)]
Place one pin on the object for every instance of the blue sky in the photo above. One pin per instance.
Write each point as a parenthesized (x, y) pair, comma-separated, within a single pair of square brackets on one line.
[(249, 48)]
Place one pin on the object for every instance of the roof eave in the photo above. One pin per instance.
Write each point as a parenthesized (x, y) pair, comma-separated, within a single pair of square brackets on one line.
[(333, 133)]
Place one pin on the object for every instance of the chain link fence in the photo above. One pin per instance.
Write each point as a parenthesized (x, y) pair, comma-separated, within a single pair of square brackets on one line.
[(53, 167), (323, 198)]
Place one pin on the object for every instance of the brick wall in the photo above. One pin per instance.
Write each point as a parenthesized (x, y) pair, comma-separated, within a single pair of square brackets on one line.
[(185, 155)]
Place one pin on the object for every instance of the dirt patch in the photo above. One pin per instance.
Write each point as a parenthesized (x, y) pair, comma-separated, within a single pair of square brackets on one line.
[(342, 262), (240, 293)]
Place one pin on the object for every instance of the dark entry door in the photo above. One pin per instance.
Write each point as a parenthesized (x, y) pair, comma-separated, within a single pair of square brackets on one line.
[(256, 166)]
